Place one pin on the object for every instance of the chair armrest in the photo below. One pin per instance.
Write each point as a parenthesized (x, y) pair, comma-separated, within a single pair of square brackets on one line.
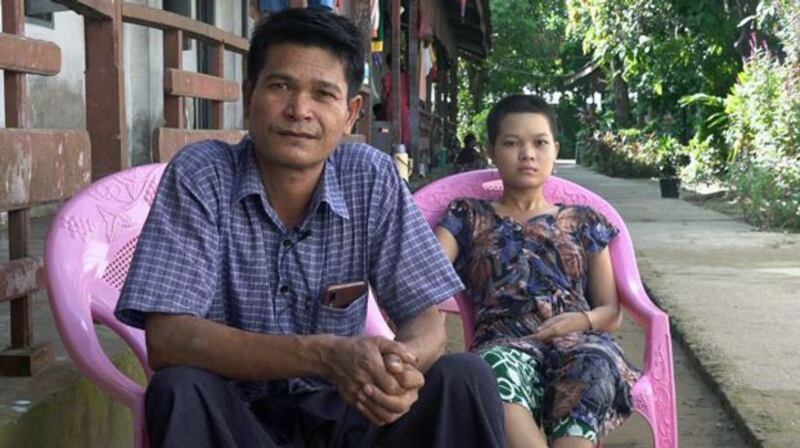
[(134, 337), (634, 298), (85, 350), (630, 289), (449, 306)]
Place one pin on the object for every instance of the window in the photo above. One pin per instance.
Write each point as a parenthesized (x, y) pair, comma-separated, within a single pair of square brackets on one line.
[(202, 110), (40, 12), (184, 8)]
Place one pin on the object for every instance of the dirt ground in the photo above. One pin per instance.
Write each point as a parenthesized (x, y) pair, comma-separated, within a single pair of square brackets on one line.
[(702, 420)]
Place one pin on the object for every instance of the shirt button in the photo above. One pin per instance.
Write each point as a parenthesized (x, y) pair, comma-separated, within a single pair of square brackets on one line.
[(284, 289), (287, 243)]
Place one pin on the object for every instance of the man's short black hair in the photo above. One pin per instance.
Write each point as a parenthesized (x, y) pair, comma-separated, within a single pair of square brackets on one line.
[(470, 139), (313, 27), (519, 104)]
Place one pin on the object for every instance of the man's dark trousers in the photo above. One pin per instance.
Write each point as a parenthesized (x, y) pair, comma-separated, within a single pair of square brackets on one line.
[(459, 406)]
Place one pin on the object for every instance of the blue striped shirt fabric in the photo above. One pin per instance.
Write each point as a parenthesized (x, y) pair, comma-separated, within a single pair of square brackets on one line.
[(213, 247)]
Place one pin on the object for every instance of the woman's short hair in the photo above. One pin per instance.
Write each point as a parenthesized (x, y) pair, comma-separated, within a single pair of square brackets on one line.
[(519, 104)]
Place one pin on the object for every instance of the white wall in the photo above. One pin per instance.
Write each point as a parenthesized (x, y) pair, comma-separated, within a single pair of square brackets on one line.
[(144, 86), (57, 101), (230, 20)]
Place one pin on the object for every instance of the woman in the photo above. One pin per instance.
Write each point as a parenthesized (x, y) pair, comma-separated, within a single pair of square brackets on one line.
[(540, 275)]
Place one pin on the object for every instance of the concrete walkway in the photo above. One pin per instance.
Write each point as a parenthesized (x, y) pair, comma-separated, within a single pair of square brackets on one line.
[(732, 294)]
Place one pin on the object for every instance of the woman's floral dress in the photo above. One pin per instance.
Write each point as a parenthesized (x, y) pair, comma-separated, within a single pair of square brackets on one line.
[(521, 274)]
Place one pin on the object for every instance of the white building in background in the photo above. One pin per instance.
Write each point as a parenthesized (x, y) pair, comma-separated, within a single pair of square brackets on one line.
[(59, 102)]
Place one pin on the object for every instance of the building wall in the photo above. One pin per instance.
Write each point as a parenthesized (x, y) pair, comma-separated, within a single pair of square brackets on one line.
[(144, 77), (58, 102), (144, 85), (230, 19)]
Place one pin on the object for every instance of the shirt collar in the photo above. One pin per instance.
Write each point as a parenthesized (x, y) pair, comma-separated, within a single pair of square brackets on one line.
[(248, 182)]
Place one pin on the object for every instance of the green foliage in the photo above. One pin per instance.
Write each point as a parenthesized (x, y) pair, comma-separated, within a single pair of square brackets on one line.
[(759, 113), (763, 128), (769, 192), (627, 153), (677, 65), (569, 124), (707, 149), (707, 161), (531, 52), (665, 49)]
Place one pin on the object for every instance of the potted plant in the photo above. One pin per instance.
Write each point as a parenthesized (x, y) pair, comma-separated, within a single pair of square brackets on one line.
[(670, 159)]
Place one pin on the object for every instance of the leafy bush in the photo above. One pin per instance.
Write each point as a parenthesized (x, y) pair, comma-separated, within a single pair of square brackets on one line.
[(763, 130), (769, 192), (627, 153), (707, 163), (707, 149), (764, 117)]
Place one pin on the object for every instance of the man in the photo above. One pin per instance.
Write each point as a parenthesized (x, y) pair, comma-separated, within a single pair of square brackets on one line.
[(469, 154), (241, 243)]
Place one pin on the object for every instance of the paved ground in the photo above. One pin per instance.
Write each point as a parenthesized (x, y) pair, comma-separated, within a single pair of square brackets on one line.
[(731, 292)]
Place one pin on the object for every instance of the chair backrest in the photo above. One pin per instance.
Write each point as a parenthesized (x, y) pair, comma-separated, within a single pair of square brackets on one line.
[(89, 249), (434, 198)]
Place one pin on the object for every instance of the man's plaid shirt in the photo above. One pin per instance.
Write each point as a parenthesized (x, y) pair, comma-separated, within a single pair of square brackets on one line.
[(213, 247)]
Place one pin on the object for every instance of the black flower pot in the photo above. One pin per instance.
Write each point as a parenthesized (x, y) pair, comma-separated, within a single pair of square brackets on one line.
[(670, 187)]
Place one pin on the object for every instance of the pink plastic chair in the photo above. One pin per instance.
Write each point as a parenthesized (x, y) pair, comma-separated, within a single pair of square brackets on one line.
[(654, 393), (89, 249)]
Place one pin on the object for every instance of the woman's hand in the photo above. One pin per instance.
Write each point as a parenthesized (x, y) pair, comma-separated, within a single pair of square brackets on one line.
[(562, 325)]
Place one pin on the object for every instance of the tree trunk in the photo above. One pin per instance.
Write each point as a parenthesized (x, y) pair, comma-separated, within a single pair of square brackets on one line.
[(477, 78), (622, 103)]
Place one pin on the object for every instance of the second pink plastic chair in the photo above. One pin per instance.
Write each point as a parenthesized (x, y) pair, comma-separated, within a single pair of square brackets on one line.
[(654, 393)]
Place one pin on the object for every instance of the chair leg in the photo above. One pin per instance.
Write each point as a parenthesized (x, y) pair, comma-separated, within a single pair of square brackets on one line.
[(658, 411), (140, 428), (654, 393)]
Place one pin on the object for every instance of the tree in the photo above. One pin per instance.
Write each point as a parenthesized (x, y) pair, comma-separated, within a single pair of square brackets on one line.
[(531, 52), (662, 49)]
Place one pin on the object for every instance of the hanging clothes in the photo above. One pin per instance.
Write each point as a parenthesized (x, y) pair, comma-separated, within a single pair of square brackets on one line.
[(425, 66), (377, 25), (375, 17)]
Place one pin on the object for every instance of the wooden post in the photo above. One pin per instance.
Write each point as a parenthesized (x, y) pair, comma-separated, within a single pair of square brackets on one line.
[(413, 83), (397, 104), (15, 87), (173, 58), (21, 359), (453, 122), (18, 223), (217, 53), (21, 308), (433, 146), (443, 106), (105, 92), (360, 14)]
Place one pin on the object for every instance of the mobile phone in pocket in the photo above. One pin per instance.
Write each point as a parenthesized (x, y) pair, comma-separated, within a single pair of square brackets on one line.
[(343, 294)]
